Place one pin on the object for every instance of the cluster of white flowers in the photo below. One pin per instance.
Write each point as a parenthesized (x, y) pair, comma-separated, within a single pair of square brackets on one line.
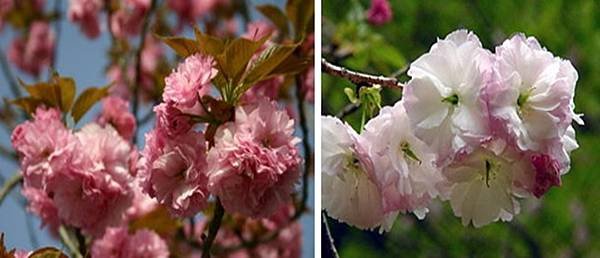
[(477, 128)]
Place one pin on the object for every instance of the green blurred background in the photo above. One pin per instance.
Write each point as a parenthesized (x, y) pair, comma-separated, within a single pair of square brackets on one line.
[(566, 221)]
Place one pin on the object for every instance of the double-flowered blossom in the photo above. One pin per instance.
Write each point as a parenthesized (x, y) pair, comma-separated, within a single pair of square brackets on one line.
[(404, 167), (479, 129), (82, 179), (350, 192), (115, 112), (254, 163), (443, 98), (191, 79), (94, 191), (119, 243), (175, 171), (531, 99), (34, 52)]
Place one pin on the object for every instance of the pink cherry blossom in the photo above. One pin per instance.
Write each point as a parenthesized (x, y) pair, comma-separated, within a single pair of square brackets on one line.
[(40, 204), (126, 23), (115, 111), (171, 120), (175, 171), (190, 10), (118, 243), (93, 191), (85, 12), (547, 174), (380, 12), (308, 84), (43, 145), (444, 99), (191, 78), (255, 163), (36, 52), (532, 94)]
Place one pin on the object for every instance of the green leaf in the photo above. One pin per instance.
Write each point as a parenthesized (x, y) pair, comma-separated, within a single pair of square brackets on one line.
[(158, 220), (86, 100), (268, 60), (208, 44), (48, 252), (300, 12), (276, 16), (184, 47), (29, 104), (238, 53)]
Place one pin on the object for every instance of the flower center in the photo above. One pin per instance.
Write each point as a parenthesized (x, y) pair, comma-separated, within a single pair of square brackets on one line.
[(408, 153), (490, 173), (452, 99)]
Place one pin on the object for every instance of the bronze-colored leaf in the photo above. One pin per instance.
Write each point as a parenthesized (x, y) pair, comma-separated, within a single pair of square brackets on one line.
[(300, 13), (47, 252), (268, 60), (45, 92), (184, 47), (67, 92), (3, 252), (237, 54), (291, 65), (86, 100), (276, 16), (159, 220), (208, 44), (29, 104)]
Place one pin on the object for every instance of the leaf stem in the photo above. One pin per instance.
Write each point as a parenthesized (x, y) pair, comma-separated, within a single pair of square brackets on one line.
[(65, 238), (9, 185)]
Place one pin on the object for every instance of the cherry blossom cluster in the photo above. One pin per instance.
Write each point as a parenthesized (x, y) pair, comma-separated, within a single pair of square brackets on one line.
[(481, 130), (251, 163)]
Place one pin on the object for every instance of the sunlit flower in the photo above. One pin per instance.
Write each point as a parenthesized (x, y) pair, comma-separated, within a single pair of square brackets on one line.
[(255, 163), (349, 189), (443, 99)]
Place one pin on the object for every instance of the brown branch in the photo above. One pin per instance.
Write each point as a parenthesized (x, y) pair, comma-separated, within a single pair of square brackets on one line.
[(359, 78), (138, 65), (213, 229), (305, 147)]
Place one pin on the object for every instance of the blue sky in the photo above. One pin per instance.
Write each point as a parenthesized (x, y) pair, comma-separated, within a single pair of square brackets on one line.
[(84, 60)]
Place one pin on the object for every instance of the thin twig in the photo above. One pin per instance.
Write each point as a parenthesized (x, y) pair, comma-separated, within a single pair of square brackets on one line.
[(138, 64), (10, 77), (64, 237), (9, 185), (57, 29), (305, 146), (213, 229), (358, 77), (329, 236)]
